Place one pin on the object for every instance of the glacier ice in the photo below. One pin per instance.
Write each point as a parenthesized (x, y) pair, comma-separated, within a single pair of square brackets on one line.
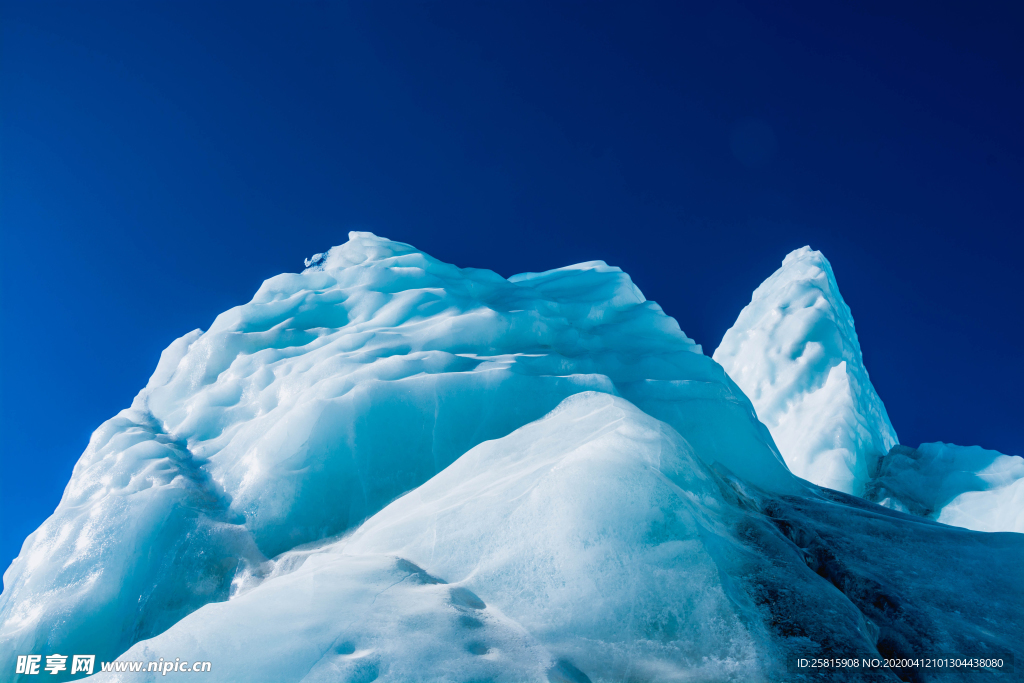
[(595, 545), (308, 409), (794, 352), (590, 536), (966, 486), (390, 468), (142, 537)]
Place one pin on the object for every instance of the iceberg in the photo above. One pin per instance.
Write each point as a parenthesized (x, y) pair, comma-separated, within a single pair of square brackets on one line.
[(388, 468), (794, 352), (965, 486), (142, 537)]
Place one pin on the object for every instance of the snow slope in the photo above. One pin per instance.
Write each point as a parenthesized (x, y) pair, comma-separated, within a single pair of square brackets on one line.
[(965, 486), (594, 545), (794, 352), (590, 536), (308, 409)]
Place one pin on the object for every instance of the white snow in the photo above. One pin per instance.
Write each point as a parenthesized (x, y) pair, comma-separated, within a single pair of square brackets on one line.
[(795, 353), (965, 486)]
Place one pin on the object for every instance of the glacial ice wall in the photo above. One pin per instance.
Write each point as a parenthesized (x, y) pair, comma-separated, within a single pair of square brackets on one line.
[(303, 412), (794, 352)]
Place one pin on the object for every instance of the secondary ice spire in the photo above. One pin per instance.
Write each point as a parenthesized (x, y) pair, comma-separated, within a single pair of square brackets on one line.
[(794, 352)]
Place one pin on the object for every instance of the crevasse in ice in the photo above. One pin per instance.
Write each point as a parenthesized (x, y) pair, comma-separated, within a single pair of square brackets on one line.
[(303, 412), (794, 352)]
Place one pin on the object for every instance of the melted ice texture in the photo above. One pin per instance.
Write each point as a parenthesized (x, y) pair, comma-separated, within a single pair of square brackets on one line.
[(594, 544), (794, 352)]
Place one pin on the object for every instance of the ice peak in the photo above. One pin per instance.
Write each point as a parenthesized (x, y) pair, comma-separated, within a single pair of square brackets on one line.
[(805, 253), (360, 248), (794, 352), (391, 468), (802, 267)]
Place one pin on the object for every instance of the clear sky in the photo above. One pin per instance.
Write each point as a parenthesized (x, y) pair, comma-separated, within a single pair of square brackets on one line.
[(160, 159)]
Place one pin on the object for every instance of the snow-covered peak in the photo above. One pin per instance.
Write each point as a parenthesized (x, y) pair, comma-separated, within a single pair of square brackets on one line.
[(360, 248), (794, 352)]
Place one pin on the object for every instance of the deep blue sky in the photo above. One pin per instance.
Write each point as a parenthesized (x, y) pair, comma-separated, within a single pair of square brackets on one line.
[(159, 160)]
